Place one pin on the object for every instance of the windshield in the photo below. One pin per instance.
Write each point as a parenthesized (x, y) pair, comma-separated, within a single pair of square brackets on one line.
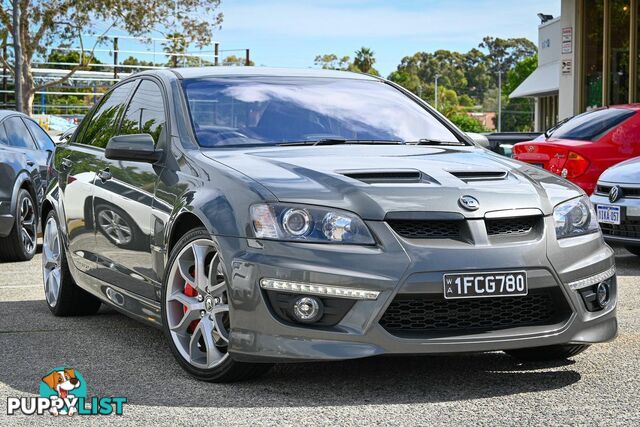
[(233, 111), (591, 125)]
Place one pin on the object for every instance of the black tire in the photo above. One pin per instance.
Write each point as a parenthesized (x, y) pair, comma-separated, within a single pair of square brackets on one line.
[(548, 353), (633, 249), (12, 247), (228, 370), (71, 300)]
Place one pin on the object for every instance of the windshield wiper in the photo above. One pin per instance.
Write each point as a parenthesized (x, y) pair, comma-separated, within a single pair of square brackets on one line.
[(429, 141), (338, 141)]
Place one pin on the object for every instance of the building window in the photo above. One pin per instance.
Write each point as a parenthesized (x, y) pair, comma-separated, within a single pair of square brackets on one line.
[(593, 53), (619, 38)]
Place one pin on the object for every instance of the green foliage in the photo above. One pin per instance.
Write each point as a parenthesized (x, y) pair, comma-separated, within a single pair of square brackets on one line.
[(71, 57), (363, 62), (63, 23), (469, 80), (467, 123), (519, 73), (236, 60), (364, 59)]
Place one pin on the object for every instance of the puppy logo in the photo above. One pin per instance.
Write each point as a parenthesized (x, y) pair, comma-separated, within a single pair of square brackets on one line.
[(65, 386)]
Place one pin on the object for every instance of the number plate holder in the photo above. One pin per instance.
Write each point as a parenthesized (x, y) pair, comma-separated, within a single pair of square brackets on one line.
[(485, 285)]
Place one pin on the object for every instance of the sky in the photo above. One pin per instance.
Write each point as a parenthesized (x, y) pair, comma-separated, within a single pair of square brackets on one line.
[(290, 33)]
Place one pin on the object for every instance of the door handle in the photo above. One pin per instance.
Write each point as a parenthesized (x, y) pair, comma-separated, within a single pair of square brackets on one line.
[(66, 163), (30, 163), (104, 175)]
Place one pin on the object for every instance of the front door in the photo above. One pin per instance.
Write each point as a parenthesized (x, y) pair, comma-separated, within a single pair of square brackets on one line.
[(123, 200), (77, 163)]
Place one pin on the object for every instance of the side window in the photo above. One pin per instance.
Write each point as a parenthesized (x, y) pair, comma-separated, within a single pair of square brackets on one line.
[(17, 134), (41, 137), (103, 122), (3, 136), (146, 112)]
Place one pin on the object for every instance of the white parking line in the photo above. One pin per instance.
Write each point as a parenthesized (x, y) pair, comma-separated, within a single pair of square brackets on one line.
[(19, 286)]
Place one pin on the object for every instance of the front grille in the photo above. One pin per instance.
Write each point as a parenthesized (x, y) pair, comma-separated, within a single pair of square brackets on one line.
[(433, 315), (603, 190), (628, 228), (418, 229), (511, 226)]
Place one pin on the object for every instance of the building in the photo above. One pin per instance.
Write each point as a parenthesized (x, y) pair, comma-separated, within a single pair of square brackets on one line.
[(588, 58)]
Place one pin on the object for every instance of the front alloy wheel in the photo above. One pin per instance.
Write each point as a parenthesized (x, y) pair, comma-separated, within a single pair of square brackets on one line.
[(196, 311)]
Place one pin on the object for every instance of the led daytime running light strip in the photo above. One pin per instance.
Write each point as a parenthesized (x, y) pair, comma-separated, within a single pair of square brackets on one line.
[(316, 289), (593, 280)]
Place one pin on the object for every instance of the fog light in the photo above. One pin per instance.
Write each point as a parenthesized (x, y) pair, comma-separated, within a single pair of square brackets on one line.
[(307, 309), (602, 294)]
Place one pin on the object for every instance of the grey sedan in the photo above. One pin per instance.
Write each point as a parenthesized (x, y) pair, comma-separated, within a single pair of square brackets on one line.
[(263, 216)]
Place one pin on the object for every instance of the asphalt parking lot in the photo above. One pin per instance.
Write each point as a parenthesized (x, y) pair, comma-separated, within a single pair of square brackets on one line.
[(119, 357)]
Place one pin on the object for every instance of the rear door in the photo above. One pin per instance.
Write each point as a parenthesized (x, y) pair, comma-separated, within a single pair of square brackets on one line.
[(123, 200), (77, 164), (42, 155)]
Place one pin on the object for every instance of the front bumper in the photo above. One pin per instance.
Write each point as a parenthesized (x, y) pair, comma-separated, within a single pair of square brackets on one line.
[(628, 232), (400, 266)]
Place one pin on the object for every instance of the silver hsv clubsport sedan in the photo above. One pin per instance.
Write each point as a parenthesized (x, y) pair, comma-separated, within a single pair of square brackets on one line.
[(261, 216)]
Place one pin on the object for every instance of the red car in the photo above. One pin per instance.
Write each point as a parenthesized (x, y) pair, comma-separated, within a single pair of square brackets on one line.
[(584, 146)]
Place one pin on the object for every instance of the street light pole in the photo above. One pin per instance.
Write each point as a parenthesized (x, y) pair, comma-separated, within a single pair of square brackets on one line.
[(436, 93), (500, 101)]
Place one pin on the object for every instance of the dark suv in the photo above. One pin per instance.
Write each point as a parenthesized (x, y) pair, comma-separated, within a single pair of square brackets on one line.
[(25, 150)]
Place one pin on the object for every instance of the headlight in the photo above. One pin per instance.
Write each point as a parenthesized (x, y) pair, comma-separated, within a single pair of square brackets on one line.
[(308, 224), (574, 218)]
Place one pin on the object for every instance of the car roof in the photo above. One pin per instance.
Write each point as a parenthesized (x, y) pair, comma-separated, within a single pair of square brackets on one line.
[(231, 71), (5, 113)]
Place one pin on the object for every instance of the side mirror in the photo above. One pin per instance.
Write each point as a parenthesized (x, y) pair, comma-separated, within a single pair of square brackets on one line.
[(133, 148)]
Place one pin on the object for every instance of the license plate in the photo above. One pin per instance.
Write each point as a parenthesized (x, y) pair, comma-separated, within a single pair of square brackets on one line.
[(478, 285), (609, 214)]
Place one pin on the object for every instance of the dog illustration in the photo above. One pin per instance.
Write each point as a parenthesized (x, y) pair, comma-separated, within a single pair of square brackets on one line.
[(62, 382)]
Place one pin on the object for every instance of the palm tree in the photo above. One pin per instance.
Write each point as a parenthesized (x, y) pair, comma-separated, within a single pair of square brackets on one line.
[(364, 59)]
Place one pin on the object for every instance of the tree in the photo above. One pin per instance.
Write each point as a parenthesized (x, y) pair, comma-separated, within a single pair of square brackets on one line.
[(330, 61), (517, 114), (64, 22), (466, 123), (364, 59), (236, 61), (363, 62), (176, 47), (504, 54)]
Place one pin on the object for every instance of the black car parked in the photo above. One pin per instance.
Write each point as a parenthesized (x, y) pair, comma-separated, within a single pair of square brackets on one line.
[(25, 151)]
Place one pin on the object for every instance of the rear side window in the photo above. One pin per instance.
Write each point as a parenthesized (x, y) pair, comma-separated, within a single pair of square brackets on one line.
[(102, 124), (3, 136), (592, 125), (41, 137), (17, 134), (146, 112)]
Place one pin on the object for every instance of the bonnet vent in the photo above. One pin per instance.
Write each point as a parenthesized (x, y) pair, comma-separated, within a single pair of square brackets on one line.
[(388, 176), (467, 176)]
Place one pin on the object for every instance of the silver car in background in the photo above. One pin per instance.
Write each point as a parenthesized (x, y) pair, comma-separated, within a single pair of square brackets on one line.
[(617, 201)]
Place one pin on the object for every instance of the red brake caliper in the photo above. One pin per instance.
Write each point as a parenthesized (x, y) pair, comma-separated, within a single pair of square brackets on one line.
[(190, 291)]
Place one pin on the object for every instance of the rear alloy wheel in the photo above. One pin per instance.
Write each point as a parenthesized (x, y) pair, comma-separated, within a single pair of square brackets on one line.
[(548, 353), (20, 245), (196, 312), (63, 296)]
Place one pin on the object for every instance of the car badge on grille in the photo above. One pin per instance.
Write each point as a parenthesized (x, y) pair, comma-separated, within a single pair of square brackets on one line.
[(469, 203), (615, 193)]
